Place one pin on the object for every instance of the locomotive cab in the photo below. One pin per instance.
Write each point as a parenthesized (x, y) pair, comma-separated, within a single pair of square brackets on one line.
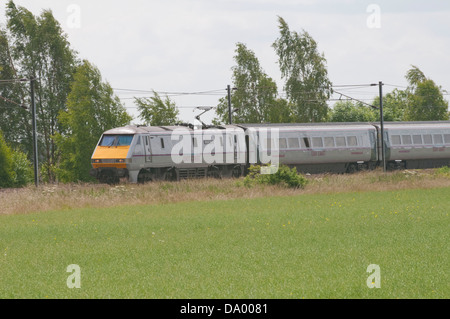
[(111, 156)]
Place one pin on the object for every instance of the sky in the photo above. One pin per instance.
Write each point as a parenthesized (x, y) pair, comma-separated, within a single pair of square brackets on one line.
[(187, 46)]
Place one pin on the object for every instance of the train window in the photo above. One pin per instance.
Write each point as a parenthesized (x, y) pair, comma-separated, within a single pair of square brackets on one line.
[(406, 139), (306, 142), (447, 138), (340, 141), (116, 140), (283, 143), (417, 139), (138, 142), (162, 143), (427, 139), (194, 141), (317, 142), (352, 141), (438, 139), (328, 142), (124, 140), (293, 142), (108, 140), (395, 140)]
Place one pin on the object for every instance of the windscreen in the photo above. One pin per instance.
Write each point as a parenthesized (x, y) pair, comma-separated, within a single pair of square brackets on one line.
[(116, 140)]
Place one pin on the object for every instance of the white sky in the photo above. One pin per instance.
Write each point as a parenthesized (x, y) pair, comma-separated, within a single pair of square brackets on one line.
[(188, 46)]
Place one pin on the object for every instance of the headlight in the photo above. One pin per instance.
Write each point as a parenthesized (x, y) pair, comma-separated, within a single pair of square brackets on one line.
[(120, 160), (96, 161)]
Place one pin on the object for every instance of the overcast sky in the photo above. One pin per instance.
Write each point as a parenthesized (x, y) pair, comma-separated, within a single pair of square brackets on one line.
[(188, 45)]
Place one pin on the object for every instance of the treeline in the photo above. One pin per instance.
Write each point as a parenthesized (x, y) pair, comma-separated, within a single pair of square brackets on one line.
[(75, 105)]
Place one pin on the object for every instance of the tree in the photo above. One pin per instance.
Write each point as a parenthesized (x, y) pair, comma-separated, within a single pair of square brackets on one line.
[(15, 121), (415, 76), (92, 108), (349, 111), (255, 97), (422, 100), (306, 77), (155, 111), (37, 47), (395, 106), (425, 99)]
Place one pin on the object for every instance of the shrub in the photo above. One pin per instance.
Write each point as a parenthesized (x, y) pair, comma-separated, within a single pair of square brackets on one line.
[(6, 164), (443, 171), (15, 168), (284, 176), (21, 170)]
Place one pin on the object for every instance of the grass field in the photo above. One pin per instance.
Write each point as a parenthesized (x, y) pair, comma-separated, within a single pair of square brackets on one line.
[(304, 245)]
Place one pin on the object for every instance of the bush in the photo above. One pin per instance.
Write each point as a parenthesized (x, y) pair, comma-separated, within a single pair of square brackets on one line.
[(6, 164), (22, 170), (284, 176), (15, 168), (443, 171)]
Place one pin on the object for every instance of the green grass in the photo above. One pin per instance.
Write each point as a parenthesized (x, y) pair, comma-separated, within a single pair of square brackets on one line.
[(306, 246)]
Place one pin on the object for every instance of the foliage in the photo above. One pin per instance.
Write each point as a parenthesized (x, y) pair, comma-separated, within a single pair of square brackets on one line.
[(414, 76), (425, 98), (304, 70), (284, 176), (92, 108), (255, 98), (36, 46), (15, 121), (6, 164), (443, 171), (15, 168), (348, 111), (22, 169), (427, 103), (395, 106), (422, 100), (156, 112)]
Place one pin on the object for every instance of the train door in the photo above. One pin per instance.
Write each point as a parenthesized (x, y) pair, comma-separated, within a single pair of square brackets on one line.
[(147, 148), (235, 147)]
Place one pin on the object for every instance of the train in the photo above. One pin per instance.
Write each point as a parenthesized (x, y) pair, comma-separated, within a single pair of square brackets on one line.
[(140, 154)]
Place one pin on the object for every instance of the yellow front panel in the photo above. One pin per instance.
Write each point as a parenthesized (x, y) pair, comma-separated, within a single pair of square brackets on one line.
[(111, 152)]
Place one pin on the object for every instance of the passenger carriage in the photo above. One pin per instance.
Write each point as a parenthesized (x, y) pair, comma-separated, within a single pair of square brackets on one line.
[(315, 148), (417, 144)]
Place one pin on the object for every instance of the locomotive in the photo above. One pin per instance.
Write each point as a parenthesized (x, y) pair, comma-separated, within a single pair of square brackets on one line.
[(145, 153)]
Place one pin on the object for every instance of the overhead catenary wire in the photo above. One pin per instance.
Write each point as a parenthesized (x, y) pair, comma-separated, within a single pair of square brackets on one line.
[(346, 93), (170, 93), (11, 101), (2, 81)]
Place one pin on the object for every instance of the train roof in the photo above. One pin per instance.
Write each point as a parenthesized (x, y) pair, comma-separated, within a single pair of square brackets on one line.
[(311, 126), (418, 125), (318, 124), (132, 129), (140, 129)]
